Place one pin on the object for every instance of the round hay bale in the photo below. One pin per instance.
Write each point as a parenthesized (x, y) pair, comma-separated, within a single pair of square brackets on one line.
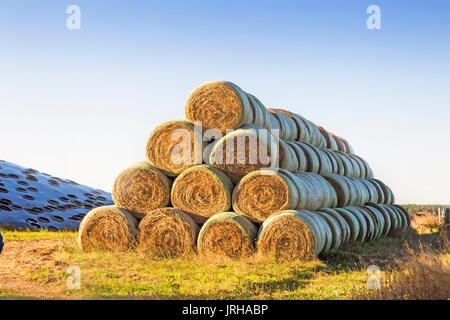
[(362, 235), (227, 234), (341, 187), (378, 218), (368, 171), (332, 160), (340, 163), (355, 165), (352, 222), (167, 232), (290, 235), (330, 142), (243, 151), (386, 218), (108, 228), (344, 226), (301, 157), (297, 124), (202, 191), (337, 235), (261, 193), (325, 229), (288, 157), (402, 223), (325, 163), (288, 128), (348, 147), (141, 188), (387, 192), (340, 144), (174, 146), (373, 193), (312, 159), (371, 225), (361, 171), (219, 105), (380, 192), (406, 215), (316, 195)]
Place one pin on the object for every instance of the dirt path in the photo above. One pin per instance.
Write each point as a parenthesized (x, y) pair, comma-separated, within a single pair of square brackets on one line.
[(19, 263)]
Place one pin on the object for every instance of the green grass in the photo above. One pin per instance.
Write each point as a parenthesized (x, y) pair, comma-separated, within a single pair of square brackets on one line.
[(28, 235), (130, 275)]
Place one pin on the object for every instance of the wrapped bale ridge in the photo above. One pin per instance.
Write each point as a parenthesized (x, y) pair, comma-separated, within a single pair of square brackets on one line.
[(264, 192), (245, 150)]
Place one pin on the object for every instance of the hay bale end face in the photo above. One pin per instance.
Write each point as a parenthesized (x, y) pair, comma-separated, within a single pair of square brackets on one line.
[(227, 234), (244, 150), (174, 146), (109, 228), (141, 188), (290, 235), (219, 105), (202, 191), (261, 193), (167, 232)]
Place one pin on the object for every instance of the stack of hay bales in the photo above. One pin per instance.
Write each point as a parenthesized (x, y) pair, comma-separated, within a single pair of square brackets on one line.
[(302, 192)]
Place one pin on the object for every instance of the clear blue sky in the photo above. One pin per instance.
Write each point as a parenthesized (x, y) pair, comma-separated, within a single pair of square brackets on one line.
[(80, 104)]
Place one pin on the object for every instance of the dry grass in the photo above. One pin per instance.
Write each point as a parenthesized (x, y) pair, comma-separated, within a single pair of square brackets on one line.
[(425, 222), (423, 275)]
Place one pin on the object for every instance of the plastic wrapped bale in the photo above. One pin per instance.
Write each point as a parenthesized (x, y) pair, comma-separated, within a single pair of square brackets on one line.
[(219, 105), (141, 188), (243, 151), (202, 191), (174, 146), (291, 235), (264, 192), (108, 228), (227, 234), (167, 232)]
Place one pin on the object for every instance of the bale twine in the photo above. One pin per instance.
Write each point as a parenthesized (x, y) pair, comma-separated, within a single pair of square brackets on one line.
[(290, 235), (202, 191), (220, 105), (227, 234), (141, 188), (243, 151), (109, 228), (263, 192), (174, 146), (167, 232)]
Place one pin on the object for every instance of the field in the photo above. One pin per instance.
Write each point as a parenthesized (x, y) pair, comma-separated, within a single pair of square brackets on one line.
[(34, 266)]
